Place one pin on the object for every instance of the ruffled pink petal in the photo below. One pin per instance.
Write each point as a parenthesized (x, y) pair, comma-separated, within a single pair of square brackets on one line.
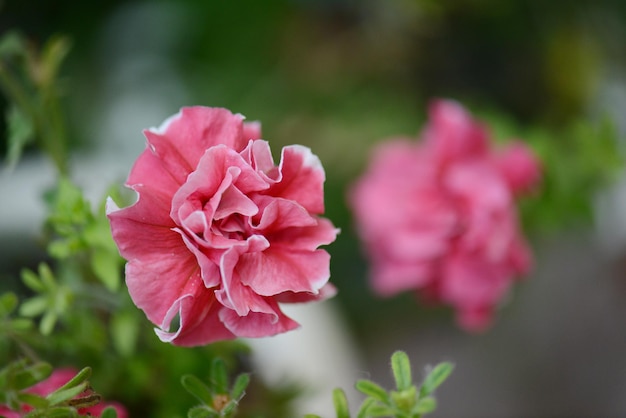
[(182, 139), (251, 131), (306, 238), (150, 172), (257, 324), (301, 179), (277, 214), (140, 232), (326, 292), (157, 280), (274, 271), (197, 310)]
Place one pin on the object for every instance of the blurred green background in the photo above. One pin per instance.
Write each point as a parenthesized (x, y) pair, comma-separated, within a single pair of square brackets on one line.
[(339, 76)]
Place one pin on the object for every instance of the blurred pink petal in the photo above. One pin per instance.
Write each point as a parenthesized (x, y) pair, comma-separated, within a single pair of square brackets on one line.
[(439, 215)]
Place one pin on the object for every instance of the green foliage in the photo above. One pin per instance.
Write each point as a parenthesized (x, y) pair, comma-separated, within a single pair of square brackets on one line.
[(29, 79), (77, 232), (18, 377), (215, 397), (407, 401), (51, 301)]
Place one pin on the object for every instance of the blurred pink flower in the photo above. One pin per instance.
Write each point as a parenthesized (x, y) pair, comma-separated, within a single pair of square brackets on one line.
[(220, 235), (439, 215), (57, 379)]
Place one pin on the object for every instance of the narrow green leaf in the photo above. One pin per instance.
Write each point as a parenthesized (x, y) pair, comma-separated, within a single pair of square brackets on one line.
[(31, 375), (20, 132), (63, 395), (435, 378), (219, 376), (34, 306), (240, 385), (312, 416), (197, 388), (109, 412), (401, 368), (8, 303), (201, 412), (20, 325), (372, 389), (382, 411), (425, 405), (80, 378), (33, 400), (48, 321), (365, 407), (341, 403), (47, 278), (31, 280)]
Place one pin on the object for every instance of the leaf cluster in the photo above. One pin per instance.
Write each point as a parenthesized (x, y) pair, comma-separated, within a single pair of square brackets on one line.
[(408, 400), (216, 399), (64, 402)]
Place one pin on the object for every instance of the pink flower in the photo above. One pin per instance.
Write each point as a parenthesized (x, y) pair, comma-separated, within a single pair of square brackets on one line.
[(57, 379), (220, 235), (439, 216)]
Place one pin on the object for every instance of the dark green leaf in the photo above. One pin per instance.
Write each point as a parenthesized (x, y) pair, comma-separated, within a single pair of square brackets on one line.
[(20, 133), (33, 400), (197, 388), (31, 375), (219, 376), (8, 303), (109, 412), (201, 412)]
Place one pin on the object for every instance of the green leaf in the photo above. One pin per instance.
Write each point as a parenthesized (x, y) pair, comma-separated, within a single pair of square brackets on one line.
[(197, 388), (405, 400), (12, 43), (425, 405), (381, 411), (341, 403), (201, 411), (372, 389), (20, 133), (109, 412), (80, 378), (31, 280), (365, 407), (124, 332), (219, 376), (66, 393), (20, 325), (31, 375), (8, 303), (105, 266), (240, 385), (33, 400), (435, 378), (401, 368), (48, 321), (34, 306)]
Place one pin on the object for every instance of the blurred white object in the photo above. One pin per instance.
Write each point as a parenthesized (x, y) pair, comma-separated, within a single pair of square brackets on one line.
[(318, 357)]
